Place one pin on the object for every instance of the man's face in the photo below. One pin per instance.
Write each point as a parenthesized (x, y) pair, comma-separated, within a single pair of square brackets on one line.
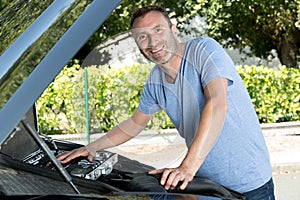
[(155, 38)]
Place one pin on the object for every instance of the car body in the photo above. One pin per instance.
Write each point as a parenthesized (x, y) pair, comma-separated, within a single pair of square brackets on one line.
[(40, 39)]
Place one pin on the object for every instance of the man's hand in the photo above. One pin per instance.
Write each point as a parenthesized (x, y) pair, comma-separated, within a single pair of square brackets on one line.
[(70, 155), (172, 176)]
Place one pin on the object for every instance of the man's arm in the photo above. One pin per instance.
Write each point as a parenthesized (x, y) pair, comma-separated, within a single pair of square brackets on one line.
[(210, 125), (118, 135)]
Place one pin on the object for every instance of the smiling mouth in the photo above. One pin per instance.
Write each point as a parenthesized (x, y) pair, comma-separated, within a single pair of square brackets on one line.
[(157, 51)]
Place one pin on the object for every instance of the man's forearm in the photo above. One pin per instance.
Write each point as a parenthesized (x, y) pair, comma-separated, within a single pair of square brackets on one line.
[(210, 124), (118, 135)]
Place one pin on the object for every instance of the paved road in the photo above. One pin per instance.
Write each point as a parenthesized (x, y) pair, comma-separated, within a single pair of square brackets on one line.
[(287, 185)]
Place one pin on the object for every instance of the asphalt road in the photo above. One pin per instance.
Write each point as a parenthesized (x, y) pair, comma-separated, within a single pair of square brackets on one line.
[(287, 185)]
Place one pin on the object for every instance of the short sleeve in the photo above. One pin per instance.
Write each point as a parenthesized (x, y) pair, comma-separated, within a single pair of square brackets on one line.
[(213, 61), (148, 103)]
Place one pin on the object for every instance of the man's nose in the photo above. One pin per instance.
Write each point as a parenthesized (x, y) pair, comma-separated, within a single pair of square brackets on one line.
[(153, 40)]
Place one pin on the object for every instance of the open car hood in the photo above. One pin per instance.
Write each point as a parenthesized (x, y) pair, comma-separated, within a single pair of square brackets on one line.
[(36, 52)]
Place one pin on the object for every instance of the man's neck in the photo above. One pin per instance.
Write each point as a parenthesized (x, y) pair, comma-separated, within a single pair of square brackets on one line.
[(172, 67)]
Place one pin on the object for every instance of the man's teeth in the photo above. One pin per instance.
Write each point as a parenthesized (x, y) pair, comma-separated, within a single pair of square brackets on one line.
[(156, 50)]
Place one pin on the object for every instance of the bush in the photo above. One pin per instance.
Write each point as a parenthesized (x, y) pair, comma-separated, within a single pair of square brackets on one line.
[(113, 95), (275, 93), (55, 108)]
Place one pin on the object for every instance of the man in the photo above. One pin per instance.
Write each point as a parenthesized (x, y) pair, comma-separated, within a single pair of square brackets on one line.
[(197, 85)]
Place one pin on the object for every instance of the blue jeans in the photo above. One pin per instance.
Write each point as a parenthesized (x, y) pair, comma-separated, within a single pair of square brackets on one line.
[(265, 192)]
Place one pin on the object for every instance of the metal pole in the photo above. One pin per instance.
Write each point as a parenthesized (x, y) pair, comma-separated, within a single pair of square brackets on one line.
[(87, 121), (48, 152)]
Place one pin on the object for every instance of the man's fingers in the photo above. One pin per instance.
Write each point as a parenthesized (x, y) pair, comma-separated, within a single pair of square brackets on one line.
[(184, 184), (90, 158), (172, 178), (156, 171), (165, 177), (68, 156), (63, 156), (175, 177), (185, 181)]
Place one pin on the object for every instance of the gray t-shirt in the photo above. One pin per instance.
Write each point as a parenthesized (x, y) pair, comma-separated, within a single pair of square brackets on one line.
[(239, 159)]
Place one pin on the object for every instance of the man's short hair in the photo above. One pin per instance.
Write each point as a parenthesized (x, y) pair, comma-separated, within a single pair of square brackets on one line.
[(144, 10)]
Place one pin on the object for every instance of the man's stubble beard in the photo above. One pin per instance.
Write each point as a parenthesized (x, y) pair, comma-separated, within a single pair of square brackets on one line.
[(171, 52)]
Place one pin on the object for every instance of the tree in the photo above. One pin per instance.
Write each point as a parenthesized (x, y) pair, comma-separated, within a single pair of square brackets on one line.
[(118, 22), (4, 3), (261, 25)]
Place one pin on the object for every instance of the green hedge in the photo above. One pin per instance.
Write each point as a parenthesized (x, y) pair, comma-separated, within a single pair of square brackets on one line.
[(114, 95), (275, 93)]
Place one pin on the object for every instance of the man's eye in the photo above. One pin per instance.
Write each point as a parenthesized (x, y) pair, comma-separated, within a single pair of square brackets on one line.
[(158, 30), (141, 37)]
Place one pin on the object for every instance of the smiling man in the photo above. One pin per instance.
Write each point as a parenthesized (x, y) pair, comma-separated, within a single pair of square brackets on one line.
[(197, 85), (156, 41)]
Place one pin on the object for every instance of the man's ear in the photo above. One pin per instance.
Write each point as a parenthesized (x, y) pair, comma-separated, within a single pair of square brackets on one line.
[(174, 29)]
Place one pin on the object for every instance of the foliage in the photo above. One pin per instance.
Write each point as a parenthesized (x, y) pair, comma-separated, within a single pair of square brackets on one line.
[(16, 16), (4, 3), (14, 19), (118, 22), (258, 24), (261, 25), (274, 93), (56, 113), (113, 95)]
